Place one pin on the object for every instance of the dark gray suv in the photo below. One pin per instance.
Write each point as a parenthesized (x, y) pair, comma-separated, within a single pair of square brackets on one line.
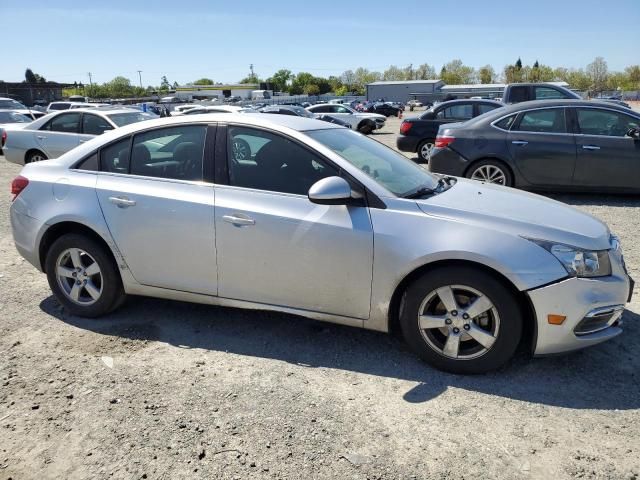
[(547, 145)]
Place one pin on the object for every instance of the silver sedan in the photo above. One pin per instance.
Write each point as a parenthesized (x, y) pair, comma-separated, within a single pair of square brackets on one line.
[(57, 133), (320, 221)]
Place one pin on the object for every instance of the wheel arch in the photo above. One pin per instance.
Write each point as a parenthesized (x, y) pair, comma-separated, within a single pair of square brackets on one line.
[(366, 121), (33, 150), (530, 327), (59, 229), (495, 159)]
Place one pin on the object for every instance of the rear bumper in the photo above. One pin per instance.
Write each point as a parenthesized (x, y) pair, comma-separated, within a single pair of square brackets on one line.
[(579, 299), (25, 232), (407, 144), (445, 160)]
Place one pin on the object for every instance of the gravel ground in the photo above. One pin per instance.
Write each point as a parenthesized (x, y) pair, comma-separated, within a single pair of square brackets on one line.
[(164, 389)]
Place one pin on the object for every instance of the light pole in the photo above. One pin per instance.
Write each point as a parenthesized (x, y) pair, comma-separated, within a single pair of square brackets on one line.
[(140, 77)]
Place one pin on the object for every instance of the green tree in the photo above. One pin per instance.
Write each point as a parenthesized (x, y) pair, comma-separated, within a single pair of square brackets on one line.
[(598, 73), (486, 74), (203, 81), (393, 73), (119, 87), (29, 76), (280, 79), (425, 72), (348, 78), (311, 89), (455, 73), (341, 91), (518, 64), (164, 84), (251, 79)]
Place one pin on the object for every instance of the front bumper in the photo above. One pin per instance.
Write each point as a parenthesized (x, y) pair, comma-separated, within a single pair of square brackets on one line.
[(577, 299)]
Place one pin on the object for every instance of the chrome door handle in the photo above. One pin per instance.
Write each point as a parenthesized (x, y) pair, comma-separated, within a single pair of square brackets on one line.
[(590, 147), (236, 220), (122, 202), (520, 142), (40, 137)]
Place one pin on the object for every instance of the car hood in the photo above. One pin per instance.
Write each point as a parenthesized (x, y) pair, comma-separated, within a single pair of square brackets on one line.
[(519, 213)]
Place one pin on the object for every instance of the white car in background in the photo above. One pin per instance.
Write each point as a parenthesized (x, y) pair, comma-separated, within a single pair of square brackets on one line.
[(11, 119), (55, 106), (216, 109), (361, 121), (57, 133)]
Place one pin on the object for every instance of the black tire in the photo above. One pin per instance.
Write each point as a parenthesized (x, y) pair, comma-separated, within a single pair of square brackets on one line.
[(35, 156), (509, 321), (365, 128), (491, 164), (421, 156), (112, 293)]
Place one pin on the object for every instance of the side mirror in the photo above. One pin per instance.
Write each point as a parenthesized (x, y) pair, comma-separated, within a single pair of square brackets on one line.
[(330, 191), (634, 133)]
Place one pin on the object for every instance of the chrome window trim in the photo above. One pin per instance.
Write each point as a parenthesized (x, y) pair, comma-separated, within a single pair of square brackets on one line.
[(533, 110), (631, 114)]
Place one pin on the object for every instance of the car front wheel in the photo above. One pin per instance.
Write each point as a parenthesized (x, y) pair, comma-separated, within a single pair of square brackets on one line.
[(83, 276), (461, 320)]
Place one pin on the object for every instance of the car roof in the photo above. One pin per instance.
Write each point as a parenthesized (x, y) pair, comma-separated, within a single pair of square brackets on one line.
[(468, 100), (517, 107)]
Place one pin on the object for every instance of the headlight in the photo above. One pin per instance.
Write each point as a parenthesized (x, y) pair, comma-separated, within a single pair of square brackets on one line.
[(579, 262)]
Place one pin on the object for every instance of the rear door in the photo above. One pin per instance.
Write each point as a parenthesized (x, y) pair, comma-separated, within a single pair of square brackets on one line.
[(156, 193), (59, 135), (606, 156), (541, 147), (93, 125)]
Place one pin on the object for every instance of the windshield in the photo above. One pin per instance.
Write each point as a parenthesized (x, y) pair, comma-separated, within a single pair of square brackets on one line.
[(122, 119), (12, 104), (390, 169), (13, 117)]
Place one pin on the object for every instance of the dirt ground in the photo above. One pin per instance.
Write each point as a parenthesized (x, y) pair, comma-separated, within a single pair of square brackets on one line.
[(170, 390)]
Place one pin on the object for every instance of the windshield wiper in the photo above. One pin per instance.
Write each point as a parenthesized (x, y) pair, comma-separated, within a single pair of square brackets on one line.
[(444, 183)]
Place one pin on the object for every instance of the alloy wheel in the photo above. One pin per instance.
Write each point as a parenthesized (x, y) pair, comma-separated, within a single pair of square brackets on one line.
[(79, 276), (489, 174), (426, 150), (458, 322)]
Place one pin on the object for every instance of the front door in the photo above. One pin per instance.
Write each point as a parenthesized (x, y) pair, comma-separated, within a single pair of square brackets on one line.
[(159, 210), (607, 157), (542, 149), (276, 247)]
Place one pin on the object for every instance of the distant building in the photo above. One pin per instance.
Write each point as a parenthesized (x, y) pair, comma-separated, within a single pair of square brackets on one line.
[(211, 92), (402, 91), (33, 93)]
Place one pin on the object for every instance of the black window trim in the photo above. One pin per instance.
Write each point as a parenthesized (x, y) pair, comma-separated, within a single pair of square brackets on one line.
[(516, 124), (598, 107), (370, 199)]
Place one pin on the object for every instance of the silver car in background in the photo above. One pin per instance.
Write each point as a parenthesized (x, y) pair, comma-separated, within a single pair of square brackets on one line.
[(55, 134), (319, 221)]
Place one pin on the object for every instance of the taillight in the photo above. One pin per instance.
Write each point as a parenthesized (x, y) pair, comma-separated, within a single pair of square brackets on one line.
[(4, 137), (405, 127), (18, 185), (443, 141)]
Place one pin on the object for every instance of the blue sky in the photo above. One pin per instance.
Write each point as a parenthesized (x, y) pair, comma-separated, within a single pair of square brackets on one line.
[(189, 39)]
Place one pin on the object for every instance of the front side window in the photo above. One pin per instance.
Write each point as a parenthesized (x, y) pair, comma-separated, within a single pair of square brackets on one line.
[(592, 121), (486, 107), (94, 124), (266, 161), (175, 152), (67, 123), (550, 120), (384, 165), (519, 94)]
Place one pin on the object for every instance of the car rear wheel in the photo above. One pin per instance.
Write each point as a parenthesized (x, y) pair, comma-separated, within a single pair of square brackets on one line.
[(461, 320), (491, 171), (425, 149), (35, 156), (83, 276)]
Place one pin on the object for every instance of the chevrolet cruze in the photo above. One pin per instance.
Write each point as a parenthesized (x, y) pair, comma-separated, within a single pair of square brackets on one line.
[(318, 220)]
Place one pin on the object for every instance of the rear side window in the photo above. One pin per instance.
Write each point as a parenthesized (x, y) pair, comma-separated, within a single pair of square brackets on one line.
[(67, 123), (175, 152), (547, 93), (115, 157), (59, 106), (506, 122), (593, 121), (89, 163), (550, 120), (463, 111), (94, 124)]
